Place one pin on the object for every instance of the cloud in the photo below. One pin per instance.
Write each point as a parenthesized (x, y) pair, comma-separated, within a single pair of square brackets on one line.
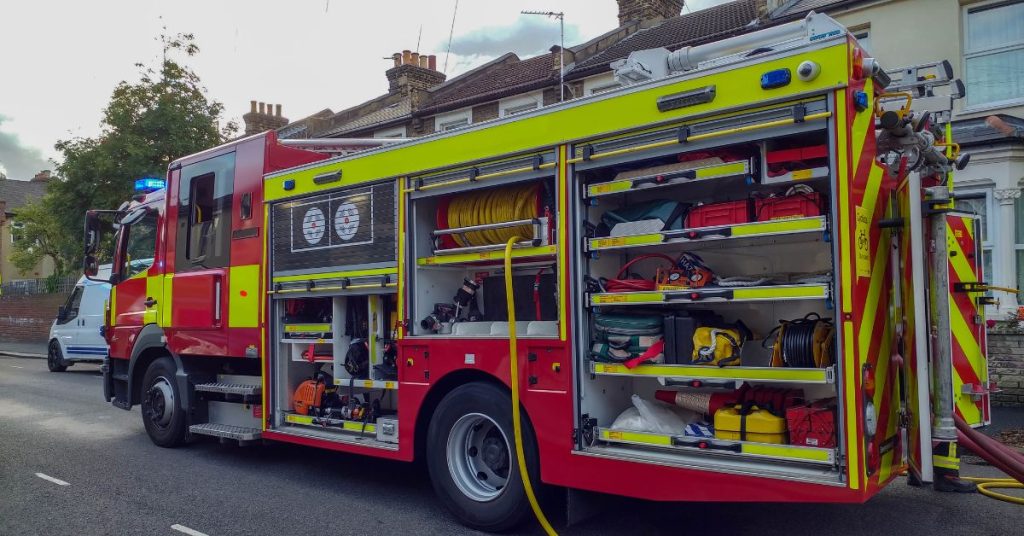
[(19, 161), (527, 36)]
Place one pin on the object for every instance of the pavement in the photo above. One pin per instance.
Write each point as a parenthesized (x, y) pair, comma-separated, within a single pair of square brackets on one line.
[(23, 349), (55, 429)]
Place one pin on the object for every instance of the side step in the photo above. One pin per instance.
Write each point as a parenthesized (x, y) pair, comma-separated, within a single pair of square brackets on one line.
[(226, 431), (241, 389)]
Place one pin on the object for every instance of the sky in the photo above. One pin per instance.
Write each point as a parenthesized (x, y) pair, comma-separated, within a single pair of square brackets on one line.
[(61, 59)]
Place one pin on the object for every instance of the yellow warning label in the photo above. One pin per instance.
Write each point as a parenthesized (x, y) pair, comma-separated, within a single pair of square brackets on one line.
[(862, 242)]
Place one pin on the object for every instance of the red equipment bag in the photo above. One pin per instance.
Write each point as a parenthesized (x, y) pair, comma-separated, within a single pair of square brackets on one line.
[(799, 202), (812, 425), (727, 213)]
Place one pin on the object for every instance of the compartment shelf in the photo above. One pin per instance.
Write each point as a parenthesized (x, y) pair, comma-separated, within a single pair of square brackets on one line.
[(746, 449), (814, 291), (704, 372), (752, 230), (670, 178), (336, 424), (367, 384), (487, 256), (307, 341)]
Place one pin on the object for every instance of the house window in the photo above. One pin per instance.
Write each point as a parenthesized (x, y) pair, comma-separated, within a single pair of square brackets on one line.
[(17, 231), (518, 105), (604, 88), (863, 37), (396, 132), (994, 53), (453, 120)]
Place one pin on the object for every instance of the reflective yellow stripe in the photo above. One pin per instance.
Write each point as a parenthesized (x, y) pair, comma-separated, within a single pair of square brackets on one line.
[(844, 235), (808, 375), (459, 258), (563, 238), (155, 290), (780, 226), (401, 256), (351, 426), (850, 386), (946, 462), (306, 328), (762, 293), (621, 241), (786, 451), (636, 437), (708, 172), (336, 275), (627, 297), (243, 296)]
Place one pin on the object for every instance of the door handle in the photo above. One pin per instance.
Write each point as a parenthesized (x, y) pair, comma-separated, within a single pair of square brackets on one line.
[(149, 302)]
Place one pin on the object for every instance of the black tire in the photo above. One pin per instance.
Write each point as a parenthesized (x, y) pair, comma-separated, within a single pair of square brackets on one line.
[(55, 358), (161, 411), (491, 407)]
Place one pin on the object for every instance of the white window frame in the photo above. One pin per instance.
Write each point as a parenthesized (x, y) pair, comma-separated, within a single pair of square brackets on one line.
[(600, 84), (13, 228), (863, 36), (393, 132), (519, 104), (453, 120), (970, 54)]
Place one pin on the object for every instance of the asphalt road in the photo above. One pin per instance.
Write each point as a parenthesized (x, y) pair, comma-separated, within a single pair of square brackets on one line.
[(58, 425)]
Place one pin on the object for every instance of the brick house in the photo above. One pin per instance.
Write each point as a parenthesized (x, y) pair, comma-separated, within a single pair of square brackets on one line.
[(15, 194)]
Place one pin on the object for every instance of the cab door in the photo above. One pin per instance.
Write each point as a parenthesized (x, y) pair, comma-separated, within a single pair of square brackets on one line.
[(68, 323), (136, 297)]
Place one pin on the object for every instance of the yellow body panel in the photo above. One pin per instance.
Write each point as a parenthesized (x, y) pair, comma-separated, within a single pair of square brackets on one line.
[(243, 296)]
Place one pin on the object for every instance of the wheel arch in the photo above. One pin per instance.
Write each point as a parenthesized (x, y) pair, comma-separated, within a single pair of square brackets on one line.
[(149, 346), (441, 389)]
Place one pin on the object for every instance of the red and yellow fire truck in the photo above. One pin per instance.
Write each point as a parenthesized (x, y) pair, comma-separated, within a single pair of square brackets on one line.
[(708, 285)]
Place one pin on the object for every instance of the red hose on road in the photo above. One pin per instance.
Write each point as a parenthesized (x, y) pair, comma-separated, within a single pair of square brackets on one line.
[(999, 455)]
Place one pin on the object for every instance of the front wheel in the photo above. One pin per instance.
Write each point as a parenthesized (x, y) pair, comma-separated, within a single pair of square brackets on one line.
[(161, 410), (55, 358), (471, 458)]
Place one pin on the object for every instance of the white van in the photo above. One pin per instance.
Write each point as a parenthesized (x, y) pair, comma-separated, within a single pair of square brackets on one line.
[(76, 335)]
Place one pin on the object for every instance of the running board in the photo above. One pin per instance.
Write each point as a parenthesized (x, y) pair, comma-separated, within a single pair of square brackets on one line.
[(226, 431), (229, 388)]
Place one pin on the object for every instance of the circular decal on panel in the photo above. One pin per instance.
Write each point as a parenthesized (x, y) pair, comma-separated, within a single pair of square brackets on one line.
[(346, 221), (313, 224)]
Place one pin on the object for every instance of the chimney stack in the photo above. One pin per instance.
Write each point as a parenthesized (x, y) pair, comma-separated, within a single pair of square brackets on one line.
[(413, 71), (263, 117), (42, 176), (648, 12)]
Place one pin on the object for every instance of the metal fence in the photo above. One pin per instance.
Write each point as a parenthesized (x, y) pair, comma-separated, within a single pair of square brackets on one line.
[(46, 285)]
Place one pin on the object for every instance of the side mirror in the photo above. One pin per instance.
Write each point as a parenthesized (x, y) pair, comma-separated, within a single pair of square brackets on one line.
[(92, 234)]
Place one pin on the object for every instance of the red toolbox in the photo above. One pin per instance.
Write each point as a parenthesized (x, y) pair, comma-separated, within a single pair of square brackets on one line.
[(727, 213), (797, 205), (812, 425)]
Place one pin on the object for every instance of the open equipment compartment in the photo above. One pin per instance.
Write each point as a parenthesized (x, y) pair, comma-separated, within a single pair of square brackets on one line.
[(459, 223), (694, 255), (332, 321)]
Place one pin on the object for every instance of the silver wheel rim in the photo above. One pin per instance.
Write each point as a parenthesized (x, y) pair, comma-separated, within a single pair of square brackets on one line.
[(160, 398), (479, 457)]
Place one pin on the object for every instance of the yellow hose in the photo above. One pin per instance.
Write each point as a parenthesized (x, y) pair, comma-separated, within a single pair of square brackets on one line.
[(514, 380), (985, 486), (494, 205)]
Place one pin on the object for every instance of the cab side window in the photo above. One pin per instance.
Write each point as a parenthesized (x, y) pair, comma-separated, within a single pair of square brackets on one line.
[(71, 306), (204, 214), (140, 248)]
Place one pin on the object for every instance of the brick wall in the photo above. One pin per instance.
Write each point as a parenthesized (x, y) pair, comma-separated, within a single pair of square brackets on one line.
[(1006, 368), (28, 318)]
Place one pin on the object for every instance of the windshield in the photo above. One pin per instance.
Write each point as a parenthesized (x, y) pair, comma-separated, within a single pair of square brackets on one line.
[(140, 247)]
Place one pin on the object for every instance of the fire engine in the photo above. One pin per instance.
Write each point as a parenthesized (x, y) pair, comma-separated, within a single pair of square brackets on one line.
[(739, 277)]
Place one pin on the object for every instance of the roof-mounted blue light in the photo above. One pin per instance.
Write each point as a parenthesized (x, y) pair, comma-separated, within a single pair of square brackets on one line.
[(149, 184)]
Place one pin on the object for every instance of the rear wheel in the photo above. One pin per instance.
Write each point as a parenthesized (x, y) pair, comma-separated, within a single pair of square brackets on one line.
[(471, 458), (55, 358), (161, 411)]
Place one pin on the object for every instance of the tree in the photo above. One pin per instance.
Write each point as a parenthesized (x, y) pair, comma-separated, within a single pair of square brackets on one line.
[(40, 237), (146, 125)]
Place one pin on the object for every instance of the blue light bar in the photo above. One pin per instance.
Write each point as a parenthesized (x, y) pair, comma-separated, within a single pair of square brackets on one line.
[(149, 184)]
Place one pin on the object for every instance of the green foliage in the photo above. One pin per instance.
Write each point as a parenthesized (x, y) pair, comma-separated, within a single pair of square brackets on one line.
[(41, 237), (147, 124)]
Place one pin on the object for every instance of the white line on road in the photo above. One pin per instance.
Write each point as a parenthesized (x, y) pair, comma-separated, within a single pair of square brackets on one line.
[(15, 366), (186, 530), (57, 481)]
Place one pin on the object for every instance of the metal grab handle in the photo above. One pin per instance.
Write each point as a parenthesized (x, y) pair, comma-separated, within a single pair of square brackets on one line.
[(149, 301)]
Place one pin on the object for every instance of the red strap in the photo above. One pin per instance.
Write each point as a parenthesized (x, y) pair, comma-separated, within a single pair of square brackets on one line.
[(652, 353)]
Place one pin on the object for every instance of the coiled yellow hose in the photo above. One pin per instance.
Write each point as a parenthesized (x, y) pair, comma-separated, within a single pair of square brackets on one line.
[(514, 381), (494, 205), (985, 486)]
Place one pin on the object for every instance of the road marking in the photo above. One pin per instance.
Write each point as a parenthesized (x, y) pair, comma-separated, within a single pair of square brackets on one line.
[(186, 530), (15, 366), (49, 478)]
